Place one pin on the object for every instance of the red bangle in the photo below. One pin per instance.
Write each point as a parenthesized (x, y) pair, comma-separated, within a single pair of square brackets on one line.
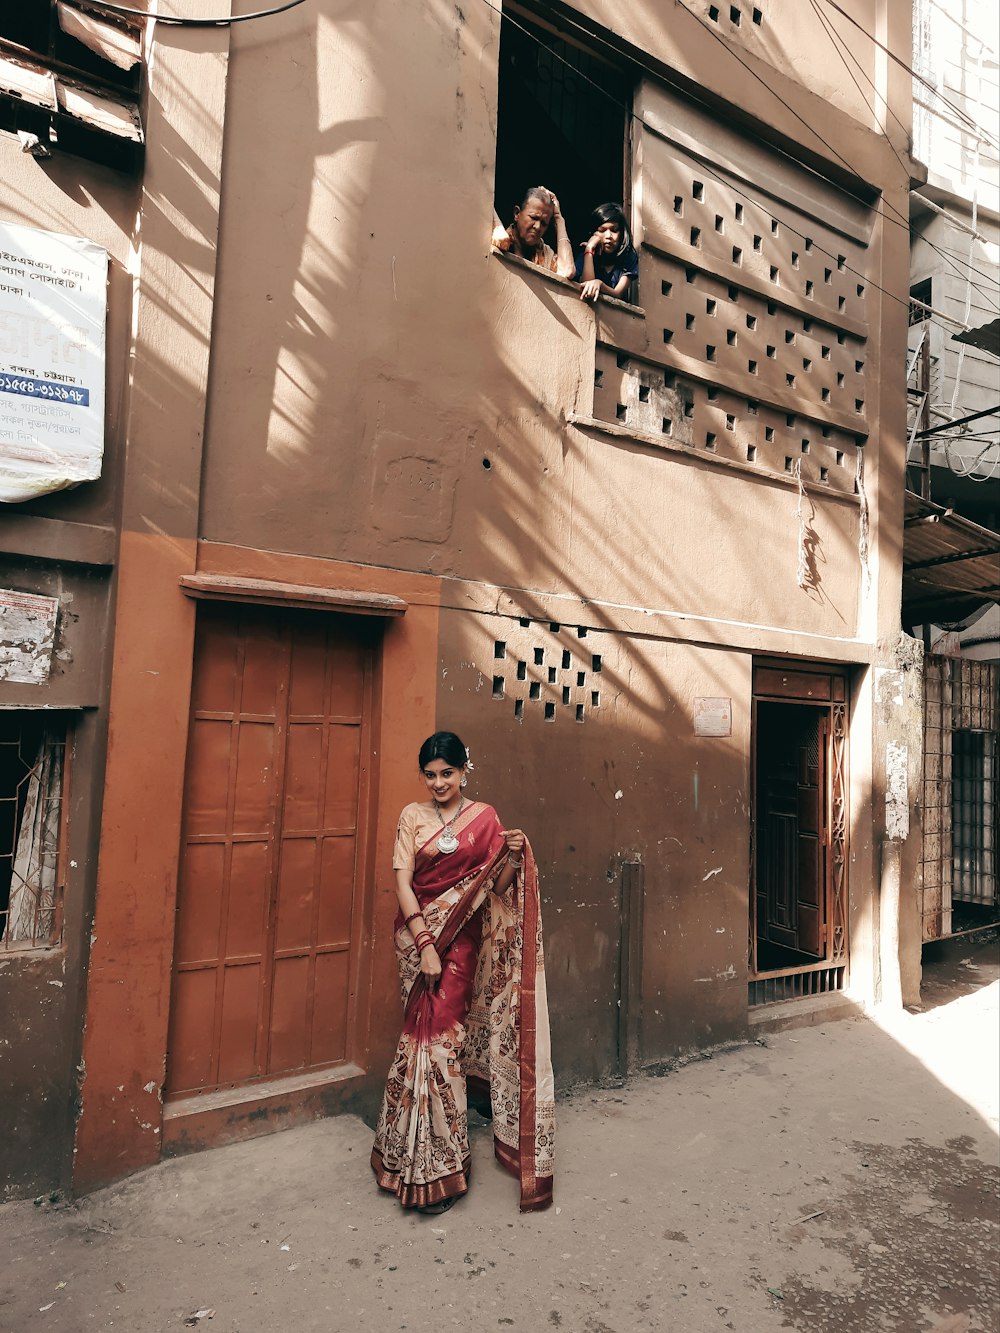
[(412, 917), (423, 939)]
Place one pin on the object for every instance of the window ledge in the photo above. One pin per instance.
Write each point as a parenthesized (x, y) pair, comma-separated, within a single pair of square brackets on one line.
[(266, 592), (515, 261), (668, 446)]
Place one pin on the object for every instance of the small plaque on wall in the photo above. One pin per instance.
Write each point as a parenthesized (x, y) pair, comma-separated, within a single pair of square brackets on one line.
[(713, 717)]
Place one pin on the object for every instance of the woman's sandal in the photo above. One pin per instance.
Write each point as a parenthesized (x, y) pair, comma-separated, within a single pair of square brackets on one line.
[(435, 1208)]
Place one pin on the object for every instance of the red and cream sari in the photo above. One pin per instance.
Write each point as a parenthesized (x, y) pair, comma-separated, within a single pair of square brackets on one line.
[(484, 1033)]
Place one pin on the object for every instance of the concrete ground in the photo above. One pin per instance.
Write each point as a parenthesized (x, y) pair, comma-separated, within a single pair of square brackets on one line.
[(836, 1177)]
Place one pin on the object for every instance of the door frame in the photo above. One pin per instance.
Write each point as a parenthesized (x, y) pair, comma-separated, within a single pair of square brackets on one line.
[(827, 686)]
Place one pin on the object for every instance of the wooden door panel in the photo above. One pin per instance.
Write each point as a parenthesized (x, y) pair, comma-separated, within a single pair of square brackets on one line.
[(329, 1026), (266, 897), (191, 1042), (297, 889), (336, 876), (237, 1053), (200, 907), (343, 774), (289, 1034), (246, 918), (205, 796)]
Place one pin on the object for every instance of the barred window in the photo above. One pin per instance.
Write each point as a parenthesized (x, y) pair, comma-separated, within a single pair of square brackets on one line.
[(32, 784)]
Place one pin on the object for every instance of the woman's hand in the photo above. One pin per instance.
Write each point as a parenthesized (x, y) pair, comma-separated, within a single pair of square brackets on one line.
[(556, 210), (595, 243), (500, 237), (430, 966), (515, 843), (590, 291)]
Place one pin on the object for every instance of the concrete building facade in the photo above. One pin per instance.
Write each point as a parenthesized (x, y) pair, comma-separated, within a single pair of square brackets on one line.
[(366, 477)]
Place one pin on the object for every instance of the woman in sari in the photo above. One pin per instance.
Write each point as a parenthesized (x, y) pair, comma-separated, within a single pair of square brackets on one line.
[(468, 941)]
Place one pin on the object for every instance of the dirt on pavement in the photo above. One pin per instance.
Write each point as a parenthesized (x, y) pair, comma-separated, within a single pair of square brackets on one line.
[(836, 1177)]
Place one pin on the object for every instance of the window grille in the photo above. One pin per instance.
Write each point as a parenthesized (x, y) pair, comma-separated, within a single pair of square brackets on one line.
[(32, 771)]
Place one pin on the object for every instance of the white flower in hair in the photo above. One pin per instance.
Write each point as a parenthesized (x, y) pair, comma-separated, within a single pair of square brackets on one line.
[(468, 762)]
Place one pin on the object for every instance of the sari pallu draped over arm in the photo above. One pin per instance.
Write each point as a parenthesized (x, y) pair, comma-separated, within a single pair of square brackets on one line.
[(495, 1032)]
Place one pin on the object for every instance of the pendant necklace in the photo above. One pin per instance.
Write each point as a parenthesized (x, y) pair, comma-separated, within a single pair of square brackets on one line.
[(447, 842)]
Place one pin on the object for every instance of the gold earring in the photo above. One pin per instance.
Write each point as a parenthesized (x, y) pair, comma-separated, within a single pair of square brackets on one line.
[(464, 782)]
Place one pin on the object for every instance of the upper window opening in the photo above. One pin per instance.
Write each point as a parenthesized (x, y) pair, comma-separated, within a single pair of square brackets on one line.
[(920, 296), (32, 764), (70, 75), (563, 117)]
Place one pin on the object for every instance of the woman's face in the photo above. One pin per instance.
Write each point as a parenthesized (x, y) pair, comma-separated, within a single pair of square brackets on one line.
[(532, 222), (610, 235), (443, 781)]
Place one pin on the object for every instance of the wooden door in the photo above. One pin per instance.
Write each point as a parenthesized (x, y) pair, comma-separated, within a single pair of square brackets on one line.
[(791, 800), (275, 806)]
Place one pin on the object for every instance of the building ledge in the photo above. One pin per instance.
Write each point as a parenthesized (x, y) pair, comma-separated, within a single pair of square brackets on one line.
[(268, 592), (536, 270)]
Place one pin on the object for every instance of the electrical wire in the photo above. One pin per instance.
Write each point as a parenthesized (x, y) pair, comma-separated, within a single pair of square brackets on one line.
[(918, 78), (838, 44), (176, 21)]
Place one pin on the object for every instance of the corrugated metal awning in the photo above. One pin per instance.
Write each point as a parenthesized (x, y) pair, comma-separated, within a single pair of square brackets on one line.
[(986, 337), (950, 564)]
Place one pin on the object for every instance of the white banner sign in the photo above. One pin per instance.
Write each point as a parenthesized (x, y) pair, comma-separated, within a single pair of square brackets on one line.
[(53, 304)]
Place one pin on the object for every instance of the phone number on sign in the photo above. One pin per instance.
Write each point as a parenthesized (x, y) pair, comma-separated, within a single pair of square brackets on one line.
[(31, 388)]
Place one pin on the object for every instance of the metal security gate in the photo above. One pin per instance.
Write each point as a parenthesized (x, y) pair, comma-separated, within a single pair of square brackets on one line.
[(797, 942), (960, 889), (268, 923)]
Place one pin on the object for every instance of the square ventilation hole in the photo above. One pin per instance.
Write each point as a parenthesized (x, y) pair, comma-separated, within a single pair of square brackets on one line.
[(841, 303), (758, 243), (751, 321), (595, 663), (840, 379), (825, 432), (713, 13), (738, 212), (734, 15), (581, 631), (710, 305), (621, 361), (828, 275), (565, 694), (720, 222), (552, 675), (522, 671), (709, 353), (752, 367), (734, 293), (788, 464), (678, 205), (579, 712), (696, 236), (751, 453), (689, 408), (809, 286), (757, 15), (752, 409), (773, 273), (737, 255), (550, 712), (824, 352), (774, 226), (595, 698), (539, 656), (771, 351), (524, 622), (861, 289), (534, 690), (667, 427), (824, 395), (808, 243), (790, 381), (769, 434), (697, 190), (824, 474), (858, 367), (841, 337), (859, 404), (807, 325), (598, 378), (689, 322), (772, 309), (621, 411), (690, 275), (710, 440), (840, 458), (841, 262), (643, 393), (518, 709), (499, 650), (806, 363), (666, 287), (805, 446), (567, 661), (581, 678), (731, 337), (711, 393), (730, 421), (668, 335), (498, 687), (789, 336), (790, 420)]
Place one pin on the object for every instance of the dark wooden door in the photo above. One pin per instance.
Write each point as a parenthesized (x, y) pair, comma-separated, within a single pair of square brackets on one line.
[(791, 797), (275, 798)]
